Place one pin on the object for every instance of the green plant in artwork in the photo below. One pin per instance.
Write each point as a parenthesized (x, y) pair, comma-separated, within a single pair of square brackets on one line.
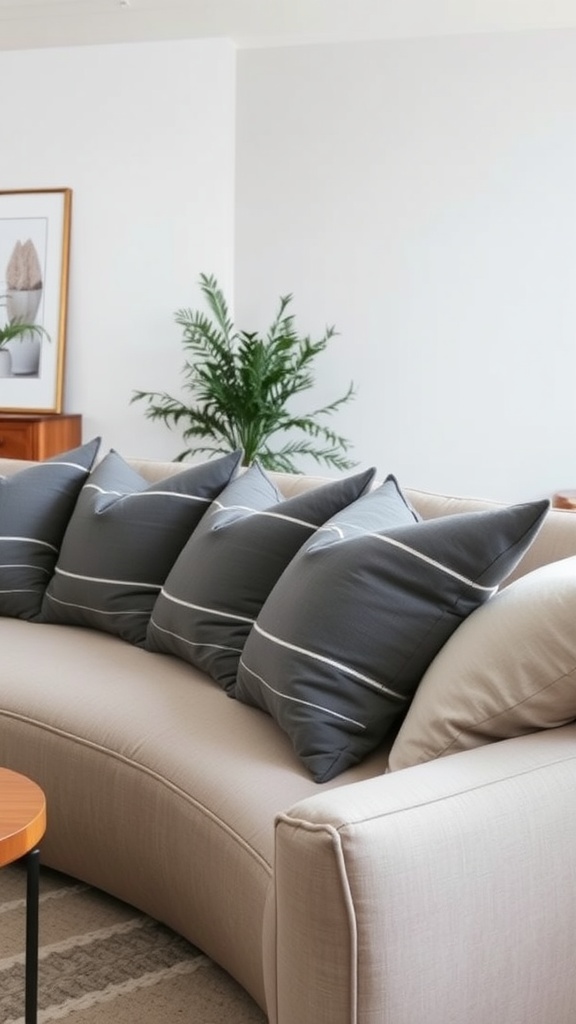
[(15, 329), (241, 385)]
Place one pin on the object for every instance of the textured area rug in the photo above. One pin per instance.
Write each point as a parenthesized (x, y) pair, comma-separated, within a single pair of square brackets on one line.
[(103, 961)]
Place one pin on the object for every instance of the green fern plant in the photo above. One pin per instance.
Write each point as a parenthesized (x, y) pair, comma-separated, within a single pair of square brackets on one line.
[(241, 385)]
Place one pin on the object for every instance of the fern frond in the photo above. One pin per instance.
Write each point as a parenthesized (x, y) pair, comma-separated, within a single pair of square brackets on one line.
[(240, 386), (217, 303)]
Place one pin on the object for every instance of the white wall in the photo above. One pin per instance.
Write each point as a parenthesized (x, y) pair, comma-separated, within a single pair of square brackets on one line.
[(421, 195), (144, 135)]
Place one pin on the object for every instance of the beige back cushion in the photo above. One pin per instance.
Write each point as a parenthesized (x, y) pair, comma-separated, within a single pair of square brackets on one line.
[(509, 669)]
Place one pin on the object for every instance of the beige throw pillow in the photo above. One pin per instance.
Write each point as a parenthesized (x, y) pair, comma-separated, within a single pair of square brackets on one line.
[(509, 669)]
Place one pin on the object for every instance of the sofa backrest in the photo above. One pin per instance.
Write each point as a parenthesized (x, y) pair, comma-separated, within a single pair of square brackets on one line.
[(556, 539)]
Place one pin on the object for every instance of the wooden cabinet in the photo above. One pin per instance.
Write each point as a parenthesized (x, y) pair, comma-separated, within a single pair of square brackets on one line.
[(38, 437)]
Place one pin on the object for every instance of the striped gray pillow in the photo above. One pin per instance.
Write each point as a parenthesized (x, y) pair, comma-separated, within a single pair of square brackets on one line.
[(342, 642), (35, 506), (122, 541), (225, 572)]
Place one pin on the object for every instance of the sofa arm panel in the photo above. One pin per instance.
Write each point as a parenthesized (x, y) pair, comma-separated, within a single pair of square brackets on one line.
[(441, 893), (317, 966)]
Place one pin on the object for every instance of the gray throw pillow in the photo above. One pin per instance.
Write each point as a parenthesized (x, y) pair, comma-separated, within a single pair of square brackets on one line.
[(122, 541), (345, 636), (225, 572), (35, 506)]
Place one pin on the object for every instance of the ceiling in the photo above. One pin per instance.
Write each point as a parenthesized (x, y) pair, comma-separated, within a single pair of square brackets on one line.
[(28, 24)]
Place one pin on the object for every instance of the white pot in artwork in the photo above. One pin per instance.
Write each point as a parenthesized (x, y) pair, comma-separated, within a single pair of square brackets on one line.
[(25, 354), (22, 305), (5, 363)]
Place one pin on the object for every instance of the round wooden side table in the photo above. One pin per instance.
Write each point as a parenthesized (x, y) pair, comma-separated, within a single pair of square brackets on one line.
[(22, 825)]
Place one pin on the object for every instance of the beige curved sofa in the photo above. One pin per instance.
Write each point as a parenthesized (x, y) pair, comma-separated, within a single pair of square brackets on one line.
[(443, 892)]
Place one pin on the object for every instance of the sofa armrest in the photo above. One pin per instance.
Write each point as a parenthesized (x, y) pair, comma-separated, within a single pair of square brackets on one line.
[(442, 892)]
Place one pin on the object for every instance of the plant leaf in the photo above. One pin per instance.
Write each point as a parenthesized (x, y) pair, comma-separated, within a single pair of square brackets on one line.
[(240, 385)]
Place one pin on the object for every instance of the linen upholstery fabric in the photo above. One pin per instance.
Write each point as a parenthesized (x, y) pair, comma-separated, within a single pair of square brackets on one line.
[(35, 506), (344, 638), (122, 541), (228, 567), (510, 669), (332, 892), (160, 788)]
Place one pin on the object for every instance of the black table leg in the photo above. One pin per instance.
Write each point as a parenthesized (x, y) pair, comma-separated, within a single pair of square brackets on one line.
[(32, 860)]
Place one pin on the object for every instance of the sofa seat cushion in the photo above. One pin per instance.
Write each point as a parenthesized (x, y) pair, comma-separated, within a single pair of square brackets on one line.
[(160, 788), (159, 715), (509, 670)]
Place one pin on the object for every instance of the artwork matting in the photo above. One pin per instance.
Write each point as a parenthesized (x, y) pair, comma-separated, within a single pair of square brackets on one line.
[(34, 260)]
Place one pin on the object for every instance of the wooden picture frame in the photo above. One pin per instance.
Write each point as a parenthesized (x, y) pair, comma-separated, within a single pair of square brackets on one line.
[(34, 261)]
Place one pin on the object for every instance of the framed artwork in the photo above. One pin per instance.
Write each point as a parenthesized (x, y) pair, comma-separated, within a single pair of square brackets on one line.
[(34, 258)]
